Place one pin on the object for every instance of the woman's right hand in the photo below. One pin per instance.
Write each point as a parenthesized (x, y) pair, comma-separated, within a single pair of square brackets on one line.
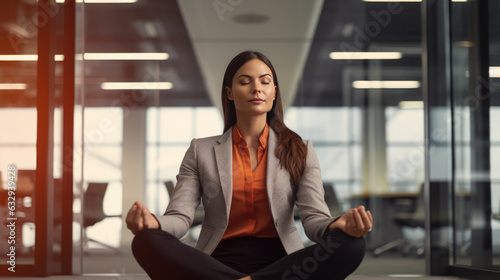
[(139, 218)]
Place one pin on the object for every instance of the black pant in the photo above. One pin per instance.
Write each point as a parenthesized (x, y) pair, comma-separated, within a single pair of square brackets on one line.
[(163, 256), (249, 254)]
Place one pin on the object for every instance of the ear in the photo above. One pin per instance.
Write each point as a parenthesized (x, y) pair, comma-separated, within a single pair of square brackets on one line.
[(229, 94), (275, 89)]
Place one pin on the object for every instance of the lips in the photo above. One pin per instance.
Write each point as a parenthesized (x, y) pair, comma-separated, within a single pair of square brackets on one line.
[(256, 100)]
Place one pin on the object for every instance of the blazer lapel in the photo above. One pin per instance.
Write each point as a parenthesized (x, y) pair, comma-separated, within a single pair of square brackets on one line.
[(272, 164), (224, 159)]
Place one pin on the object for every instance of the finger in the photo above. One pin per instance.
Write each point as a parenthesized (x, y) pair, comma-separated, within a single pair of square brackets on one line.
[(145, 216), (139, 204), (367, 222), (351, 221), (358, 220), (137, 219), (130, 216), (357, 229), (370, 216), (345, 219)]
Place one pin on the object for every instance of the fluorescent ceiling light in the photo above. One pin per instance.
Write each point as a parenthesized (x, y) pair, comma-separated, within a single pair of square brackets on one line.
[(17, 86), (19, 57), (392, 0), (101, 1), (27, 57), (385, 84), (111, 1), (365, 55), (91, 56), (494, 71), (137, 85), (405, 275), (411, 104), (407, 0), (125, 56)]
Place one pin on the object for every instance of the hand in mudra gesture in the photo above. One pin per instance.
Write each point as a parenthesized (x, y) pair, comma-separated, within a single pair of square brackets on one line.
[(356, 222), (139, 218)]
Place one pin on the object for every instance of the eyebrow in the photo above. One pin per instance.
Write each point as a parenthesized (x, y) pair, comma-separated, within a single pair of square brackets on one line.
[(248, 76)]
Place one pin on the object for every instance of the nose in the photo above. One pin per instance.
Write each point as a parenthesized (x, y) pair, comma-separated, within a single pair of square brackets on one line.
[(256, 90)]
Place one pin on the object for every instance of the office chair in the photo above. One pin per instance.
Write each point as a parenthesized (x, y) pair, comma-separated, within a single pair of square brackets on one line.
[(332, 200), (415, 219), (26, 182), (93, 210), (496, 216)]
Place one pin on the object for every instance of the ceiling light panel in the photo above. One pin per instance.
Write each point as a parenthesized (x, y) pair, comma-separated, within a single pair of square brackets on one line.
[(101, 1), (13, 86), (125, 56), (92, 56), (365, 55), (494, 71), (136, 86), (19, 57), (385, 84)]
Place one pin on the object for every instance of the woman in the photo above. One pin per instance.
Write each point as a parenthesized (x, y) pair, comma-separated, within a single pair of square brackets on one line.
[(249, 180)]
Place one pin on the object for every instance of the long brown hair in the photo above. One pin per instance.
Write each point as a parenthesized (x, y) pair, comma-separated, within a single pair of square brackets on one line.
[(291, 150)]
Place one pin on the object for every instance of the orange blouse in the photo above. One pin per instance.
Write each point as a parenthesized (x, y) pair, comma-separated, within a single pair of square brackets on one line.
[(250, 213)]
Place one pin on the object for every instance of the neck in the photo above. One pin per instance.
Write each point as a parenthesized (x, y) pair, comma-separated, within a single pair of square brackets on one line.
[(251, 128)]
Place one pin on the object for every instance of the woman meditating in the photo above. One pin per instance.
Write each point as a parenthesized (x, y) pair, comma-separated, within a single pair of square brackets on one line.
[(249, 179)]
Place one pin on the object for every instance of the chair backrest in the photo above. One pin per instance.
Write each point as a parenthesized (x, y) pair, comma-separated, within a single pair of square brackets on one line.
[(93, 199), (496, 215), (332, 200), (420, 204), (439, 215), (26, 180), (417, 217)]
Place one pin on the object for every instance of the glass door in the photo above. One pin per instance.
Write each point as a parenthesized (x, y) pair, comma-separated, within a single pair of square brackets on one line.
[(475, 41), (36, 98)]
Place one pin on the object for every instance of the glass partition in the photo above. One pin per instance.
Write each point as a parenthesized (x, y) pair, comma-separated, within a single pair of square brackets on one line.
[(32, 66), (475, 41), (18, 120)]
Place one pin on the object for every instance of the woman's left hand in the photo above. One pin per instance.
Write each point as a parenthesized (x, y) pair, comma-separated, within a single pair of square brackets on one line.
[(356, 222)]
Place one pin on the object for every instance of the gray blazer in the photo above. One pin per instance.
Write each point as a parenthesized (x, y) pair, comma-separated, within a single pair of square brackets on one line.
[(206, 174)]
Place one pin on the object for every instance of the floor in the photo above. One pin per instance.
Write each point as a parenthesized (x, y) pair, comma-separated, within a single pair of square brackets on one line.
[(144, 277)]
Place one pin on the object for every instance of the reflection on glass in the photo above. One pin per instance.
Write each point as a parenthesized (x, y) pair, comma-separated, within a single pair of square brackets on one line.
[(18, 122), (102, 163), (477, 147)]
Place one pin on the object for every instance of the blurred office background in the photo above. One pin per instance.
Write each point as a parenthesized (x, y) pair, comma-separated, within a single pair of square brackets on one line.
[(99, 101)]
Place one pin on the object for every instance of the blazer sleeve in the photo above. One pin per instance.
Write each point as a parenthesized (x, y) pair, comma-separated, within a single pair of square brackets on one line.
[(186, 196), (310, 200)]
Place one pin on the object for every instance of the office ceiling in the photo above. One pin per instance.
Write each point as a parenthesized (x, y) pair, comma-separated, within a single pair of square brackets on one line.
[(202, 36)]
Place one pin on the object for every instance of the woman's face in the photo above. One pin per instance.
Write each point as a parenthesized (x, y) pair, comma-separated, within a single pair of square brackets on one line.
[(253, 90)]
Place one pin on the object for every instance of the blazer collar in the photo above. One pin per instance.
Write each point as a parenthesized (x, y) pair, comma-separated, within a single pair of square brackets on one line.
[(272, 164), (224, 159)]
